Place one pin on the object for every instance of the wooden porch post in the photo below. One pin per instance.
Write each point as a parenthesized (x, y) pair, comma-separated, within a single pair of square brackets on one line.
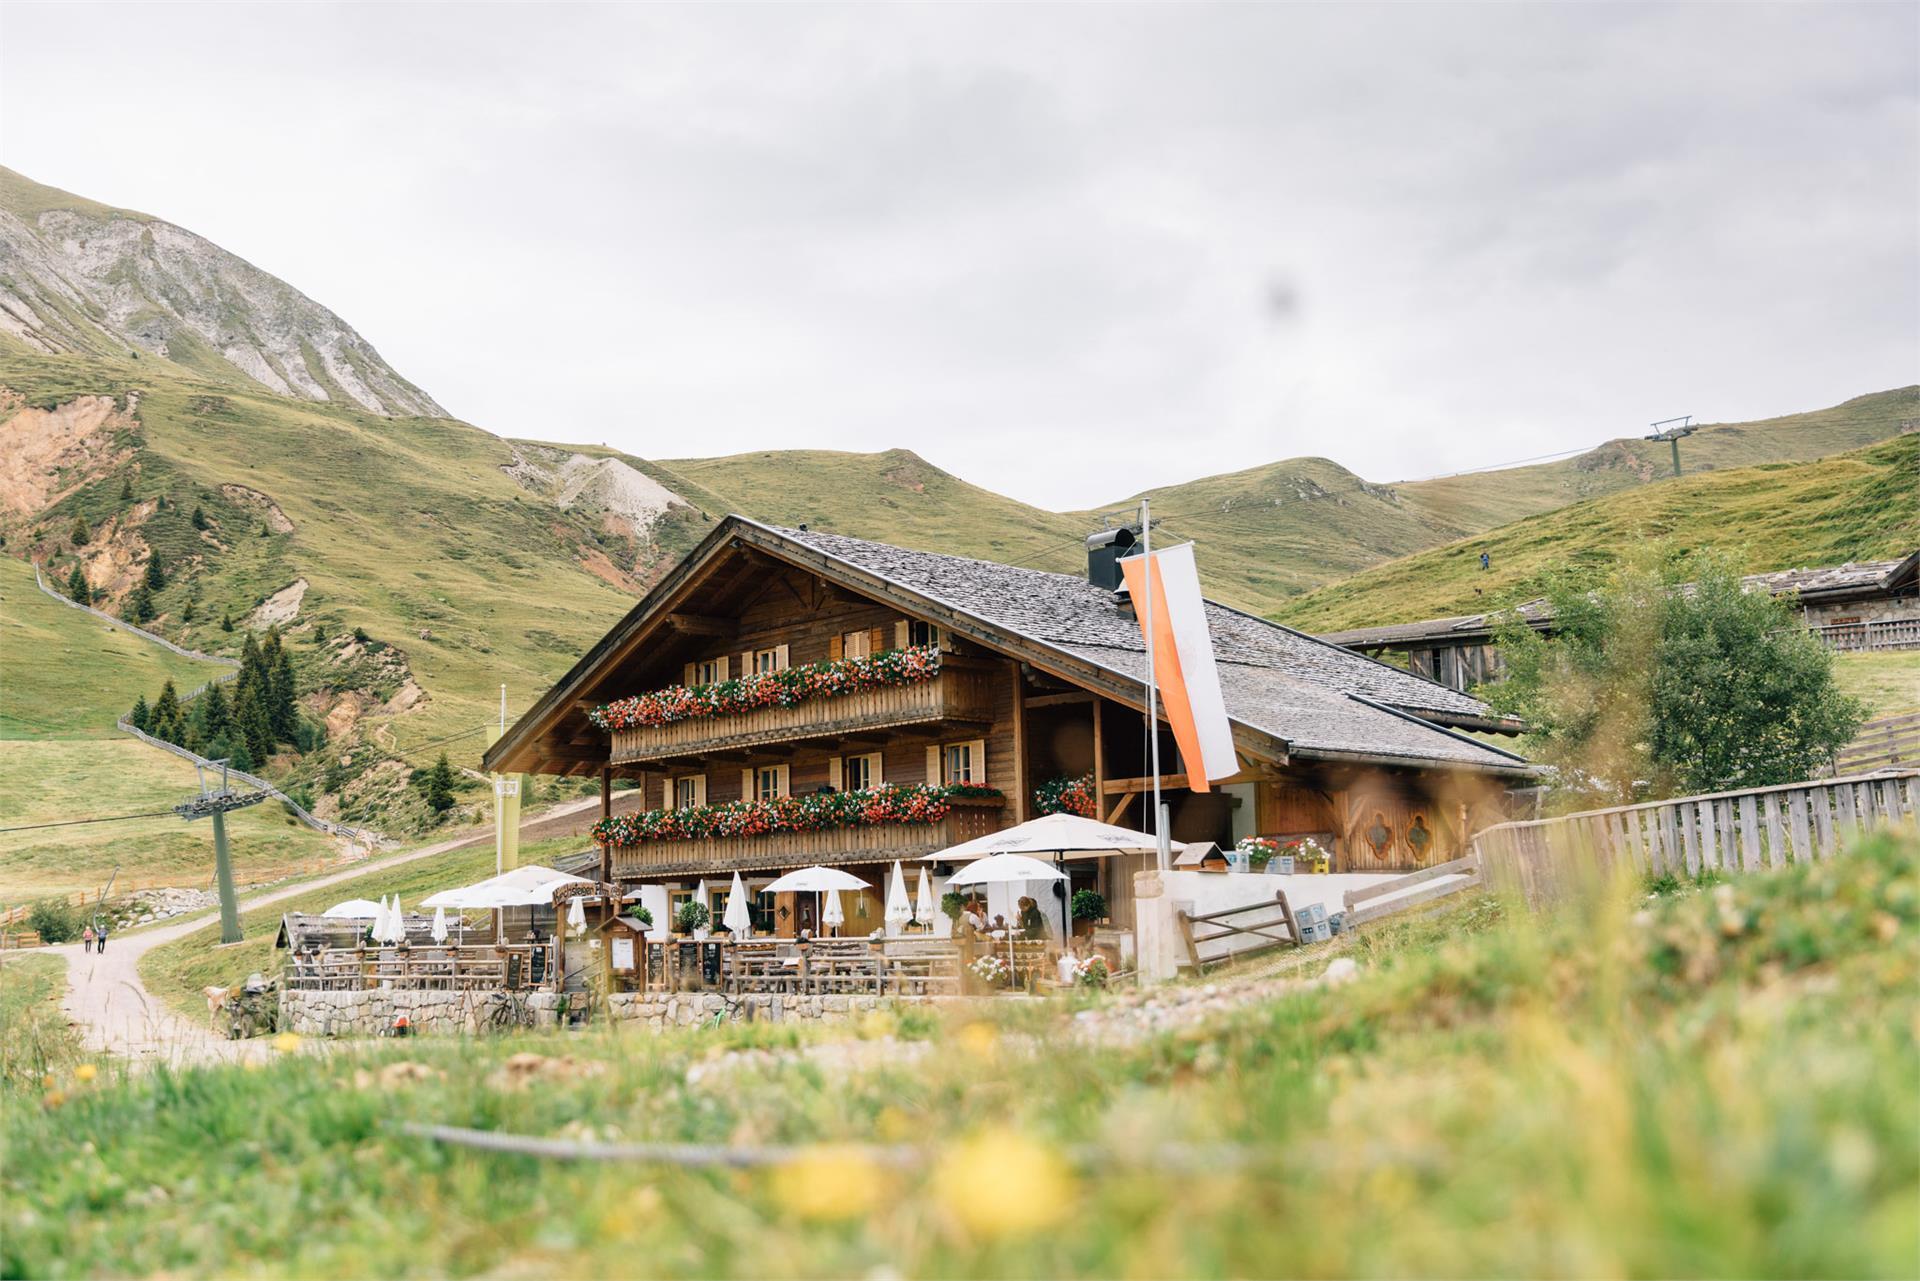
[(606, 812), (1019, 745)]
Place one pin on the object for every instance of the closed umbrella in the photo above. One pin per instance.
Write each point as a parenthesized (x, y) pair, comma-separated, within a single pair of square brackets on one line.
[(833, 914), (397, 923), (379, 927), (738, 920), (899, 909), (703, 898), (923, 900), (439, 924), (577, 917)]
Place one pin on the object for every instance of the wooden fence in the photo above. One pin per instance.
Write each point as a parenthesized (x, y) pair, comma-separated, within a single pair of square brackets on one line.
[(1415, 890), (1247, 930), (1888, 743), (1885, 633), (1760, 828)]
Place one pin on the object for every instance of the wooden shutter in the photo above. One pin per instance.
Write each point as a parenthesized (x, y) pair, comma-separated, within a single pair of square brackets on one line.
[(877, 641), (836, 647), (747, 790), (834, 774), (900, 634), (785, 788), (699, 789), (933, 765), (779, 658), (666, 794), (978, 760), (686, 674), (874, 762), (746, 662)]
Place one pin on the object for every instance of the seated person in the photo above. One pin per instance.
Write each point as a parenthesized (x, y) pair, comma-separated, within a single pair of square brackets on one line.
[(1032, 924)]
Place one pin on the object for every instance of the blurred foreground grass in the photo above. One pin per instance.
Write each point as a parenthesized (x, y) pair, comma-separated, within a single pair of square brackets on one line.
[(1719, 1082)]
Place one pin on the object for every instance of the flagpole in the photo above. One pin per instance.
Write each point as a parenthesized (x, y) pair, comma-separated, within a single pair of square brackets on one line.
[(1162, 853), (499, 801)]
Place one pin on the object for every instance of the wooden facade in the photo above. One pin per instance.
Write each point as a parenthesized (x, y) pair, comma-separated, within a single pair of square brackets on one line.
[(1002, 713)]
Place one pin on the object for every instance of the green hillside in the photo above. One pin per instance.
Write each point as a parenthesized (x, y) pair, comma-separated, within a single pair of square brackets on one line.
[(406, 529), (895, 496), (1854, 506), (65, 674)]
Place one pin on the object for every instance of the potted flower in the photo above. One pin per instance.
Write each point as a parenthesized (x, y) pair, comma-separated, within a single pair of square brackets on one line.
[(1312, 853), (1087, 907), (1259, 851), (991, 970), (1091, 971)]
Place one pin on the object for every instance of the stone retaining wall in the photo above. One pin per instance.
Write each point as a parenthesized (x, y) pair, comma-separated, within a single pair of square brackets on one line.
[(369, 1013)]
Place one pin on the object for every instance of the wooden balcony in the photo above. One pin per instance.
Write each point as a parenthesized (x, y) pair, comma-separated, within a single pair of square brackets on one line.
[(656, 859), (958, 693)]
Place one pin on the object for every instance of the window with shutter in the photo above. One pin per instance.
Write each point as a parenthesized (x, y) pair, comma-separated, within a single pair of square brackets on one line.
[(919, 633), (708, 671), (963, 762), (855, 644), (769, 782), (861, 772)]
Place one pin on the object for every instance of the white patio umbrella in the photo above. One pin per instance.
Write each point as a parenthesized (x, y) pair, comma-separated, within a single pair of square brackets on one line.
[(832, 913), (397, 923), (704, 899), (439, 924), (1056, 834), (1006, 869), (923, 900), (577, 917), (738, 920), (358, 909), (815, 880), (899, 909), (378, 928), (528, 886)]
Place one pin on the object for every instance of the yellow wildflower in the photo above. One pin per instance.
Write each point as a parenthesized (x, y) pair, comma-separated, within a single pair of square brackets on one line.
[(829, 1184), (54, 1098), (1002, 1183), (287, 1042), (981, 1040), (85, 1072)]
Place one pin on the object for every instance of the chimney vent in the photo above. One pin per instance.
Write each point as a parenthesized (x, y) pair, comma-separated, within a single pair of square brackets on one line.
[(1104, 552)]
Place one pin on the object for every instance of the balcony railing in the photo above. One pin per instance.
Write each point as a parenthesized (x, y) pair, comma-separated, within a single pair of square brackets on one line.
[(956, 694), (968, 818)]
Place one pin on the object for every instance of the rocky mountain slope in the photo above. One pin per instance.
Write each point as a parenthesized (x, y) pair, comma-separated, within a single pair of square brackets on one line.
[(77, 276)]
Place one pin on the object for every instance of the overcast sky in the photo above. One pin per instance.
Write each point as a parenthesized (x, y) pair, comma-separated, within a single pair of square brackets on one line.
[(1064, 252)]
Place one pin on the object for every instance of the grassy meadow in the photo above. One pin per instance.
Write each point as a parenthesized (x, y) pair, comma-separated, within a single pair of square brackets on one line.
[(1715, 1083), (1888, 682), (67, 675), (35, 1038), (1854, 506), (52, 782)]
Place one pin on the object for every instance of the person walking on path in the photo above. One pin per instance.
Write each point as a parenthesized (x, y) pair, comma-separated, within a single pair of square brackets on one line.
[(100, 938), (86, 938)]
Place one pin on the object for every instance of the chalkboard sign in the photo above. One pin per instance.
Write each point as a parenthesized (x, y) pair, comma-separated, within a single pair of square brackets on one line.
[(710, 964)]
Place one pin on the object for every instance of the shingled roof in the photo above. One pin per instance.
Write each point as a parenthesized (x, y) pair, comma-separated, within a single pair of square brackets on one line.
[(1320, 699)]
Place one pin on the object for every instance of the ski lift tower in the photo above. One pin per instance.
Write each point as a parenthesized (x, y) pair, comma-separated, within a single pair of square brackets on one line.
[(215, 799), (1675, 429)]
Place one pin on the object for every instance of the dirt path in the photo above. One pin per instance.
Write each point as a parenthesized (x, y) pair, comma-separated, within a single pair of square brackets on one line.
[(116, 1013)]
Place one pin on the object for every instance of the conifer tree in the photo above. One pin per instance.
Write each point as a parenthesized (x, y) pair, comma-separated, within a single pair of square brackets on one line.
[(140, 604), (250, 722), (226, 622), (439, 788), (126, 489), (156, 572), (214, 712), (199, 517), (79, 534), (282, 709), (77, 588), (141, 716), (166, 721)]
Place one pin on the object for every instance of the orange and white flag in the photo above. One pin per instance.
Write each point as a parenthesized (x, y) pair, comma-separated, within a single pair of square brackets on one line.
[(1183, 666)]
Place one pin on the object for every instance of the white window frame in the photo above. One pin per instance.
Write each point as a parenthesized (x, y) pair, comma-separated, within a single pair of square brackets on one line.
[(779, 775), (698, 791), (873, 761), (707, 671), (972, 770)]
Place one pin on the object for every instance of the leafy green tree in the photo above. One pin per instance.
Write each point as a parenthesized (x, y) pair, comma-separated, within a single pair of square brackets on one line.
[(1671, 679), (156, 572), (140, 604), (439, 786), (53, 921), (77, 588), (79, 534)]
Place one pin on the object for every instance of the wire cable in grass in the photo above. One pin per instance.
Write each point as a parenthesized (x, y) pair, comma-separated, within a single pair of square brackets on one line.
[(76, 822)]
